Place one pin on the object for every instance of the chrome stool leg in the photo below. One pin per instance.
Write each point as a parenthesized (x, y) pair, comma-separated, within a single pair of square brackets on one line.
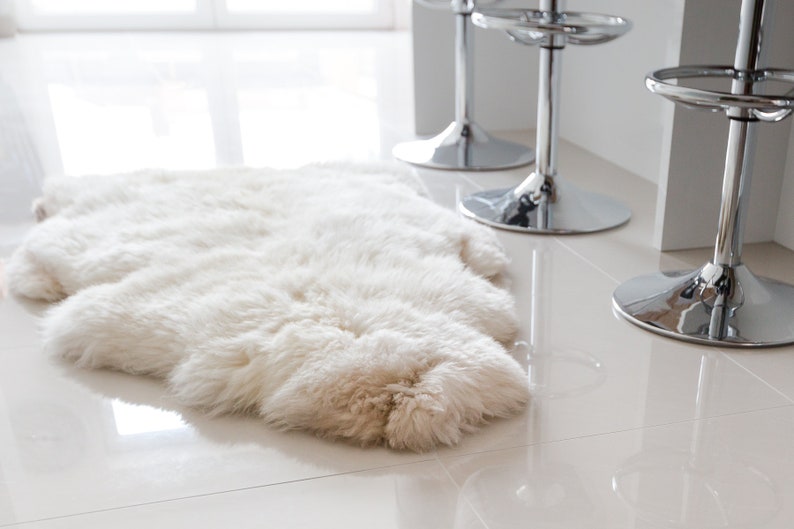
[(722, 302), (464, 145), (544, 202)]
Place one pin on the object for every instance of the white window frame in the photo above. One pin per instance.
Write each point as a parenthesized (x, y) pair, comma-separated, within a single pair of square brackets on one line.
[(209, 14), (28, 19), (382, 18)]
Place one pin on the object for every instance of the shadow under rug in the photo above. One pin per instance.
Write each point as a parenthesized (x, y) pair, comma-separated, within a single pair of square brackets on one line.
[(335, 298)]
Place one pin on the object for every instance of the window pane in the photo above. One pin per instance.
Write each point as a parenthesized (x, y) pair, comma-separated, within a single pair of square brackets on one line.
[(301, 6), (119, 109), (75, 7)]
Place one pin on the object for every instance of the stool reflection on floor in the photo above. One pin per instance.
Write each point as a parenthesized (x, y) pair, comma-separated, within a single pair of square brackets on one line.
[(722, 303), (463, 145), (544, 202)]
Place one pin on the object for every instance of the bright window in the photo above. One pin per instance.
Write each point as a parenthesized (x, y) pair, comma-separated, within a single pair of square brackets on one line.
[(74, 7), (43, 15), (72, 15), (301, 6)]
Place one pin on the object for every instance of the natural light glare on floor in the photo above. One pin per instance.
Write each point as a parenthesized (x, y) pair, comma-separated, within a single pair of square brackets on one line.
[(276, 131), (270, 106), (166, 125), (133, 419)]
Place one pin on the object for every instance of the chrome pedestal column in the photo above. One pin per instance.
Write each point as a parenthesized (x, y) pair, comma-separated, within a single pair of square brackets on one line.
[(722, 303), (463, 145), (544, 202)]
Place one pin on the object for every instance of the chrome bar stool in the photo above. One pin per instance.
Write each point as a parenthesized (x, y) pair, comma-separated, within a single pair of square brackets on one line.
[(463, 145), (722, 302), (544, 202)]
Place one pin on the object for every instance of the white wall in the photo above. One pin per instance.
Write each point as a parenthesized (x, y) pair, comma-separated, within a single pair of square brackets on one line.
[(689, 197), (505, 91), (784, 231), (605, 106)]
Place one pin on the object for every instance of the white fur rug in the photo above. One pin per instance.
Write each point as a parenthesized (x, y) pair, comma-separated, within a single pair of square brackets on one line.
[(332, 298)]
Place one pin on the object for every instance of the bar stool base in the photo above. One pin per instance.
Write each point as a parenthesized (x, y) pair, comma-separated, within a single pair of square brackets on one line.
[(750, 311), (573, 211), (466, 148)]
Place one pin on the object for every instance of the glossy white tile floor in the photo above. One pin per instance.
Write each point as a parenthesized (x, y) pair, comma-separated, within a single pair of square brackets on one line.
[(626, 429)]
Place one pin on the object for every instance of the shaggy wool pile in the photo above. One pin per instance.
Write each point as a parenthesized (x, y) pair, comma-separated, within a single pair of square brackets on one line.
[(334, 298)]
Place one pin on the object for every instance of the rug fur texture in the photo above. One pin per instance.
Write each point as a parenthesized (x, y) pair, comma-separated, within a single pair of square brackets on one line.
[(333, 298)]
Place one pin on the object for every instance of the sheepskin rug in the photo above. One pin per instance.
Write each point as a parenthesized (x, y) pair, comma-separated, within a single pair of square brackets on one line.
[(333, 298)]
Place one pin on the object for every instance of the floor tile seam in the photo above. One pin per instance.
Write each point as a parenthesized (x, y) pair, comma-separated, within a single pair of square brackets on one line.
[(443, 458), (460, 491), (221, 492), (586, 259), (756, 376), (465, 176)]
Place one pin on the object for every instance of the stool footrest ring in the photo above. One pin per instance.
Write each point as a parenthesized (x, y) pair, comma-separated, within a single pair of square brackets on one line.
[(760, 107)]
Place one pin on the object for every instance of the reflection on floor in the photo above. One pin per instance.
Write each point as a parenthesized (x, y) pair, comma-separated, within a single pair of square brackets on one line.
[(626, 429)]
